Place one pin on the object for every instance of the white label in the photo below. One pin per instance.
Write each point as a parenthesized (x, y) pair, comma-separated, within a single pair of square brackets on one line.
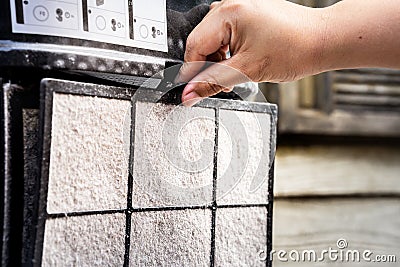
[(135, 23)]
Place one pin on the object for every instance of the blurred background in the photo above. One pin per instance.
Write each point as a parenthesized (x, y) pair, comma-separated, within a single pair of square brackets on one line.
[(337, 173)]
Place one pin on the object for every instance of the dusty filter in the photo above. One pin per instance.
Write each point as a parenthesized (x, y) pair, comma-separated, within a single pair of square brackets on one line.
[(99, 172), (94, 211), (115, 183)]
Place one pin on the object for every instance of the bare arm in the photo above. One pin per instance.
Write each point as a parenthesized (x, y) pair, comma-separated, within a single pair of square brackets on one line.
[(361, 34), (280, 41)]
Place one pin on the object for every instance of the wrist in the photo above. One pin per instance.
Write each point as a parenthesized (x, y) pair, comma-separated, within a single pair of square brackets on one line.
[(312, 42), (336, 40), (319, 54)]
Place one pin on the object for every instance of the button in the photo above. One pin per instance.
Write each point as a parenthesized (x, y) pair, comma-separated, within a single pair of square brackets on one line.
[(144, 31), (40, 13), (100, 23)]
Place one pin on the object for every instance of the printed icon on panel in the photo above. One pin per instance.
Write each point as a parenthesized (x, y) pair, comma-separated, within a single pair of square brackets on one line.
[(40, 13), (59, 13), (101, 22), (144, 31), (113, 24), (99, 2)]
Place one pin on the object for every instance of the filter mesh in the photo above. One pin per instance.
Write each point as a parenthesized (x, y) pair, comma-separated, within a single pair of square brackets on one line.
[(243, 157), (240, 235), (178, 238), (88, 164), (168, 145), (98, 214), (92, 240)]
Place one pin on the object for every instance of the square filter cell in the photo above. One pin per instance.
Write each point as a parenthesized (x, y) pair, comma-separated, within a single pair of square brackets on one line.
[(171, 238), (244, 157), (173, 159), (90, 240), (89, 156), (241, 236)]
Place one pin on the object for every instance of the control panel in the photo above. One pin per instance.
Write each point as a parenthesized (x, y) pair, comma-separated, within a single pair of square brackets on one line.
[(135, 23)]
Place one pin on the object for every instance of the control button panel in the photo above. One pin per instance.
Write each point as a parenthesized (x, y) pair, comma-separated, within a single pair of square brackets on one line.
[(134, 23), (63, 16), (149, 31), (106, 22)]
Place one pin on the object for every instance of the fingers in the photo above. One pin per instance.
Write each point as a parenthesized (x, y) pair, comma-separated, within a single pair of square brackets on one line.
[(217, 56), (214, 79), (209, 41), (206, 39)]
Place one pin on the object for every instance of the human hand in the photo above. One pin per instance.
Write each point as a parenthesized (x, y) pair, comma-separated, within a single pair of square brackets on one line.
[(267, 40)]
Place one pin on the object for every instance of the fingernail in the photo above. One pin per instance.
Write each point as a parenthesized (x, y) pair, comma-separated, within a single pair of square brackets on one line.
[(188, 89), (191, 99)]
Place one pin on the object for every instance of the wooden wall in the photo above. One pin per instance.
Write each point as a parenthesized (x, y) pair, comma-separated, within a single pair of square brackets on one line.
[(326, 193)]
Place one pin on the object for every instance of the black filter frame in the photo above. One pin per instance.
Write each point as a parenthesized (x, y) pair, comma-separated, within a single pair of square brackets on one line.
[(15, 200), (47, 90), (51, 86)]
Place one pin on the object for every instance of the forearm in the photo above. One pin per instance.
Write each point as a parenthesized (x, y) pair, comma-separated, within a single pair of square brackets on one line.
[(278, 41), (359, 33)]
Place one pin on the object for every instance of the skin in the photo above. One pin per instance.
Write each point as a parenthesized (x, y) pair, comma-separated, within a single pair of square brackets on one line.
[(278, 41)]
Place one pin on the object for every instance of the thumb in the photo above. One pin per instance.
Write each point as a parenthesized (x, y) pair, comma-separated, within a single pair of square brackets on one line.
[(221, 76)]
